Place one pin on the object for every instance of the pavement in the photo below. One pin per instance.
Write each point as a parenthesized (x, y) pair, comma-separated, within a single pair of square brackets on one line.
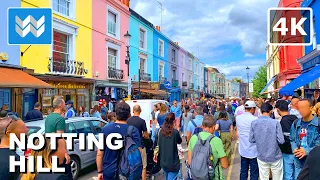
[(232, 173)]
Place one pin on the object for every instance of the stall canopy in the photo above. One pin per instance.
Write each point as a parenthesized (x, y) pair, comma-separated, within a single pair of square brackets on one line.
[(303, 79), (15, 78), (268, 84)]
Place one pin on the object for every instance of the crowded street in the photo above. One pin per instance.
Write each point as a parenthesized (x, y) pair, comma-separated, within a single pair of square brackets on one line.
[(159, 90)]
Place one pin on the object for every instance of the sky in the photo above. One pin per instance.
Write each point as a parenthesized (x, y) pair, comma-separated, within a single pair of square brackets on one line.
[(227, 34)]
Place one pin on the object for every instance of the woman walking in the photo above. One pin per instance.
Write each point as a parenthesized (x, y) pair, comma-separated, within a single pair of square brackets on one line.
[(83, 112), (186, 117), (224, 125), (95, 112), (169, 138)]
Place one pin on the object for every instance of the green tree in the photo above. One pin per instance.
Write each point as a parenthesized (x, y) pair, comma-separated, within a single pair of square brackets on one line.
[(259, 82), (237, 80)]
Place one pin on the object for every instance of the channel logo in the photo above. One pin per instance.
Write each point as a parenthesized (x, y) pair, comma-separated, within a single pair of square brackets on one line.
[(29, 26)]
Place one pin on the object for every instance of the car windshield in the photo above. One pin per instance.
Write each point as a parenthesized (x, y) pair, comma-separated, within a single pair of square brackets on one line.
[(33, 129)]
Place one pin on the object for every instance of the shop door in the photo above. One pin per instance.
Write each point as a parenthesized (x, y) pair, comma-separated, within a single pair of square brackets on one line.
[(29, 99), (5, 97)]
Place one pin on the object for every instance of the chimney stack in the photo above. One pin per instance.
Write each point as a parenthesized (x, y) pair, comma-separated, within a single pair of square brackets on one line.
[(158, 28), (126, 2)]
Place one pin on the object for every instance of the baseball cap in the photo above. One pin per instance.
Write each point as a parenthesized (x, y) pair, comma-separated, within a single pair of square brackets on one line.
[(69, 102), (250, 104)]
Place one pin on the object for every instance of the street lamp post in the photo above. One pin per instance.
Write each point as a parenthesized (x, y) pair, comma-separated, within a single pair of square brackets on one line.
[(127, 37), (248, 77)]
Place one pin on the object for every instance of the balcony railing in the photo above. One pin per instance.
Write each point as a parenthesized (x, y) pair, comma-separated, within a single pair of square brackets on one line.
[(145, 77), (184, 83), (162, 80), (66, 67), (175, 83), (116, 74), (191, 86), (112, 27)]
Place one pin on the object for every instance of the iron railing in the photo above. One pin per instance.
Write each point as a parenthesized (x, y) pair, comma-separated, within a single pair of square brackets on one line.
[(66, 67), (114, 73), (145, 77)]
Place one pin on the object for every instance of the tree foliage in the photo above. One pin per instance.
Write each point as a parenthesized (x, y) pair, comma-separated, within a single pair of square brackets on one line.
[(237, 80), (259, 82)]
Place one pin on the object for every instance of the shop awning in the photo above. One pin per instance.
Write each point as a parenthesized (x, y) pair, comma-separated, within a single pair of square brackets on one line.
[(15, 78), (268, 84), (303, 79), (154, 92)]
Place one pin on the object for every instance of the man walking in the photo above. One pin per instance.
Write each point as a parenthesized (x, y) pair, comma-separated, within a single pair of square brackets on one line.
[(140, 124), (197, 122), (107, 160), (55, 123), (9, 124), (177, 112), (71, 112), (247, 150), (286, 122), (304, 134), (35, 113), (267, 134)]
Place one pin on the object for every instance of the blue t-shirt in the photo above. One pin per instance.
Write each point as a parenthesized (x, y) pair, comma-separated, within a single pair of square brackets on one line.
[(224, 125), (110, 157), (161, 119)]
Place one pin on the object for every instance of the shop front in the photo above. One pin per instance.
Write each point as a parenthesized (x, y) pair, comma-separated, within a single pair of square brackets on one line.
[(309, 78), (78, 90), (18, 89), (107, 90), (149, 90)]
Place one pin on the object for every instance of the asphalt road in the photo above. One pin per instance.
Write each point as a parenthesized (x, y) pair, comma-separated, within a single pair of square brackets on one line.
[(231, 173)]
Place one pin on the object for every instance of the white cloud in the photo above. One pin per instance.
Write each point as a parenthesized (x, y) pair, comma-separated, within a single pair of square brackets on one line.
[(248, 55)]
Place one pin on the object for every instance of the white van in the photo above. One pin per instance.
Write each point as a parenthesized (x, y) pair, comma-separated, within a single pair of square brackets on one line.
[(146, 109)]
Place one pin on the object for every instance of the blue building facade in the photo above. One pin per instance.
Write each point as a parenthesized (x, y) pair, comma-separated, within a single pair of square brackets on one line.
[(141, 48), (10, 54), (160, 57)]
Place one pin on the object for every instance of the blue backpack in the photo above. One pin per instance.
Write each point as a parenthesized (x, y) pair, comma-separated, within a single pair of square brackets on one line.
[(197, 129), (130, 165)]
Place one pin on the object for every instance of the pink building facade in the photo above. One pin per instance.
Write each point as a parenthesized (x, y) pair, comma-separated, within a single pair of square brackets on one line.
[(110, 21), (183, 71)]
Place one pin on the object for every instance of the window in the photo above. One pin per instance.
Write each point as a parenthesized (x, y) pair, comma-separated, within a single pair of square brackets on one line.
[(190, 78), (60, 54), (173, 55), (142, 39), (112, 58), (83, 127), (190, 63), (160, 51), (196, 70), (161, 71), (182, 60), (182, 77), (314, 40), (62, 6), (173, 74), (142, 65), (112, 23), (98, 125)]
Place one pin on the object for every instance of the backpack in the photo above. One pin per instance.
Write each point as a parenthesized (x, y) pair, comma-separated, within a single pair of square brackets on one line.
[(130, 164), (296, 121), (197, 129), (201, 161)]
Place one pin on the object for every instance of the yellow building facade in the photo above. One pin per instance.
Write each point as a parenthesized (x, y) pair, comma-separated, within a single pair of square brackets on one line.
[(67, 63)]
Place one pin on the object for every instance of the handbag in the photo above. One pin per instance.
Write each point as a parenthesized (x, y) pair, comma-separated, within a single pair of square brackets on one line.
[(156, 149)]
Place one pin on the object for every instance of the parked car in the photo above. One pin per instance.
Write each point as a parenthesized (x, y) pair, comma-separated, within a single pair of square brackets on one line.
[(147, 107), (79, 159)]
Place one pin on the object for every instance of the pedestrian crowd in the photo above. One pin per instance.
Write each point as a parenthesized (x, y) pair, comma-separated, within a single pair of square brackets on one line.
[(277, 136)]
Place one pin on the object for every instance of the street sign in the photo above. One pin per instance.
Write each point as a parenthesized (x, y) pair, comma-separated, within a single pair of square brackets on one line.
[(251, 87), (167, 84)]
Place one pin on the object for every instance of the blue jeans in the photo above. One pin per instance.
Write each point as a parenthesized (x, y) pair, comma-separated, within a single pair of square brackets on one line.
[(170, 175), (289, 172), (254, 169)]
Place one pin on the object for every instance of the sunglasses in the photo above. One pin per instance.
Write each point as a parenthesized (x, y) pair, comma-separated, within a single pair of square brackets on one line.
[(13, 118)]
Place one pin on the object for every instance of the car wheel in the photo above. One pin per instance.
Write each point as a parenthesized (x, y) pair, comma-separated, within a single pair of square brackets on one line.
[(75, 166)]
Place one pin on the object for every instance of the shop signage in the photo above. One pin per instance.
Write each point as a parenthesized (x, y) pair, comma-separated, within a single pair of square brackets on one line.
[(155, 86), (311, 63), (68, 86)]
